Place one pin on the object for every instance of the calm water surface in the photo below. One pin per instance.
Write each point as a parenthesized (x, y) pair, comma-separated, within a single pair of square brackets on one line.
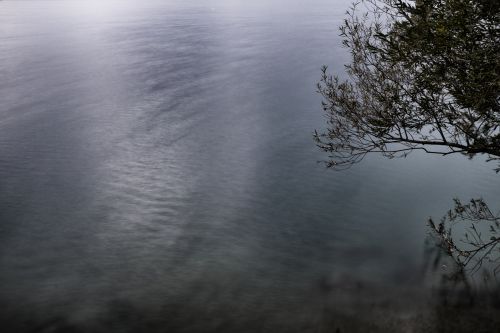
[(157, 169)]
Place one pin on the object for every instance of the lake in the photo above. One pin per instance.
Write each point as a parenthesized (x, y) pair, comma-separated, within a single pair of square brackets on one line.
[(158, 173)]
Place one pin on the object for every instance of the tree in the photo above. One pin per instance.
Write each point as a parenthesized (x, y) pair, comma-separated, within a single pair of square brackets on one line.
[(423, 76)]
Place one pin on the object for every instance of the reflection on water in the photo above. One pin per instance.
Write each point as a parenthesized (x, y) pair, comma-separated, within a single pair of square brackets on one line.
[(466, 288), (465, 250), (478, 248), (157, 170)]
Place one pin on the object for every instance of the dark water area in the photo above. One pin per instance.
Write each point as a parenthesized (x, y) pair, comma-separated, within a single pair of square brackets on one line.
[(158, 173)]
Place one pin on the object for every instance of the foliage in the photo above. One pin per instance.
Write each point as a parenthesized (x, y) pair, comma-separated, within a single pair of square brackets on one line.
[(423, 76)]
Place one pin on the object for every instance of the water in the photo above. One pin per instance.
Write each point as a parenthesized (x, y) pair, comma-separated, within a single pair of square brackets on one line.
[(157, 170)]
